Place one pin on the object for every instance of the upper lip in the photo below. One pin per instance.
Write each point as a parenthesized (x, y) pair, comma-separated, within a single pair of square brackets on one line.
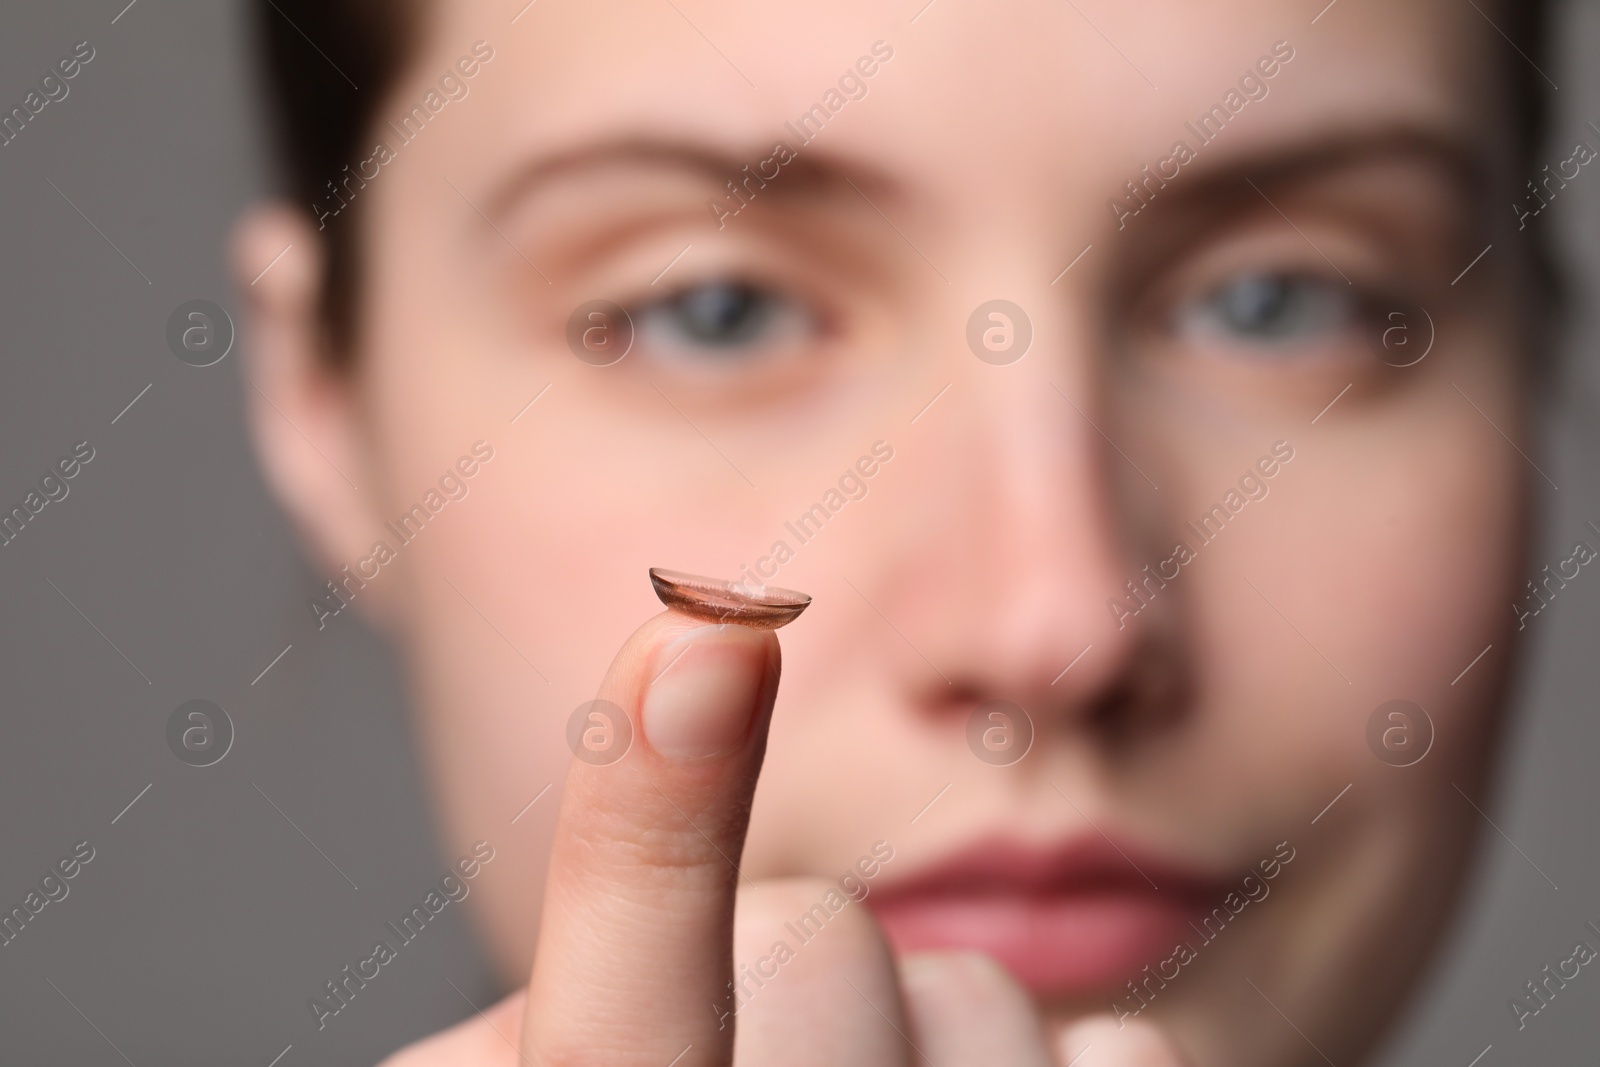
[(1086, 864)]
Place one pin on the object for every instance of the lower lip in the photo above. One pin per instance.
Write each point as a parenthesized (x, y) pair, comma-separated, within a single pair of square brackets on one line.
[(1056, 945)]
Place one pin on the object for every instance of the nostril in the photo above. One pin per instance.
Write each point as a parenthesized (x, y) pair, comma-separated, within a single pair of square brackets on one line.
[(1155, 690)]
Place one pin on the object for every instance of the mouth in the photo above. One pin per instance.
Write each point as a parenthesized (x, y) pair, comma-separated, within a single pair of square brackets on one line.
[(1066, 921)]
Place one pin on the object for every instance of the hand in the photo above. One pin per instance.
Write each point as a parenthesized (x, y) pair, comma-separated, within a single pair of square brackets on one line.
[(638, 934)]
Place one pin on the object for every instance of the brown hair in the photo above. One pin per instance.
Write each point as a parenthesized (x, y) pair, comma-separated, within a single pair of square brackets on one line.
[(330, 65)]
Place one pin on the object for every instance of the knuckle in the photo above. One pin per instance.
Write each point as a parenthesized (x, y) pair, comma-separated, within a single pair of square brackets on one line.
[(663, 855)]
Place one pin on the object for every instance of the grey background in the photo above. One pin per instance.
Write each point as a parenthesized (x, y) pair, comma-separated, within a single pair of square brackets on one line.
[(207, 918)]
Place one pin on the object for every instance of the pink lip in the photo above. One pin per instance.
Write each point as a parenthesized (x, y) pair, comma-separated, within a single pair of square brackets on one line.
[(1065, 921)]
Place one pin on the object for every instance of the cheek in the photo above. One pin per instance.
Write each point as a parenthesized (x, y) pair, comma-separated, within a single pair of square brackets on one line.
[(1383, 562), (1439, 586), (1414, 573)]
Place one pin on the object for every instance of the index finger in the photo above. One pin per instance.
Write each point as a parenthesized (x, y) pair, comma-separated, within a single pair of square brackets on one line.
[(636, 935)]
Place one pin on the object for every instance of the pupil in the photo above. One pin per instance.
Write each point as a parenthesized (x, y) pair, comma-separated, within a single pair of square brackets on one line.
[(1258, 302), (721, 314)]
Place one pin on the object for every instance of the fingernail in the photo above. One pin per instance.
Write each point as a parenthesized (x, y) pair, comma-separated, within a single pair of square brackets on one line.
[(707, 688)]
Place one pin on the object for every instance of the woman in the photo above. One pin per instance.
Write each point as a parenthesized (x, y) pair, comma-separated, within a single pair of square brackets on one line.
[(1123, 384)]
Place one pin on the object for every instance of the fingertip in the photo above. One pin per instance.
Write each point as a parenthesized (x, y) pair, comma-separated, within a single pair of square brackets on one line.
[(706, 689), (695, 689), (966, 1009), (1105, 1041)]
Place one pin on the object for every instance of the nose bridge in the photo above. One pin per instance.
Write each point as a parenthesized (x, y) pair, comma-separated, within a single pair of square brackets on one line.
[(1054, 513), (1027, 463)]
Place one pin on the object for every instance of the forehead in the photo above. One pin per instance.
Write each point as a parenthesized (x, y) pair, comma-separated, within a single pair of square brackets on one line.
[(1010, 101)]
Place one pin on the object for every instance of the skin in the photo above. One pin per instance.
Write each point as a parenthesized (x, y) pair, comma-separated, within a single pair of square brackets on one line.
[(1214, 724)]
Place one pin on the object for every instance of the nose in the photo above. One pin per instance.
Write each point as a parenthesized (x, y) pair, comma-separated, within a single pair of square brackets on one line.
[(1023, 507)]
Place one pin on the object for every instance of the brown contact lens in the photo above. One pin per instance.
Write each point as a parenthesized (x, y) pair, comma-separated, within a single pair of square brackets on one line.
[(764, 608)]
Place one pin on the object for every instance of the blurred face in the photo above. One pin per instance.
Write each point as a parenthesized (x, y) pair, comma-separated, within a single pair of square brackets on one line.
[(1057, 353)]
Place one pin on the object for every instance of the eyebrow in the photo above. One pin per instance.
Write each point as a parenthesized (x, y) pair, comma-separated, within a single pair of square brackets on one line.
[(1462, 160), (813, 173), (819, 174)]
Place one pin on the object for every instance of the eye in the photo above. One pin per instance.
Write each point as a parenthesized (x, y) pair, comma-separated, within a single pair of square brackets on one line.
[(1272, 310), (724, 319)]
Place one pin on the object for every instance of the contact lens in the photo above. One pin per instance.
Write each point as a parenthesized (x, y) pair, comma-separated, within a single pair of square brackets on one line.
[(764, 608)]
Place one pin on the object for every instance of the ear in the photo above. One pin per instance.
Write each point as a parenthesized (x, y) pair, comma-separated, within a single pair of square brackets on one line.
[(303, 413)]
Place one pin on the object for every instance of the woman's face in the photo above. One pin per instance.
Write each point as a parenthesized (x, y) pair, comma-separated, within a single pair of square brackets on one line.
[(1192, 389)]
